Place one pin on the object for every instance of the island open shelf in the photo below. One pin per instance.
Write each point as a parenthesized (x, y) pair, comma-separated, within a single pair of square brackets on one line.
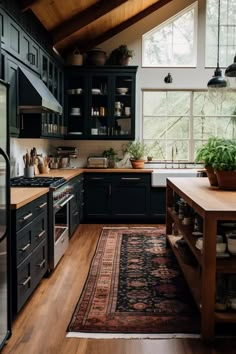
[(213, 205)]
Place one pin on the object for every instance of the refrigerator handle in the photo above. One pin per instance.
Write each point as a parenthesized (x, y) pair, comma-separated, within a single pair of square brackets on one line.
[(6, 158)]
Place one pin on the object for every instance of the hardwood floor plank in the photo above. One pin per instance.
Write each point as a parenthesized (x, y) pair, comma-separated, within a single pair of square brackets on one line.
[(40, 328)]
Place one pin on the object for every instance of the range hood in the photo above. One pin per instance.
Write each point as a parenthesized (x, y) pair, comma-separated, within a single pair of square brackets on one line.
[(34, 96)]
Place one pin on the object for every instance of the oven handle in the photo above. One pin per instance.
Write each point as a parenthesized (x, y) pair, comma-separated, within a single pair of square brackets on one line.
[(66, 201)]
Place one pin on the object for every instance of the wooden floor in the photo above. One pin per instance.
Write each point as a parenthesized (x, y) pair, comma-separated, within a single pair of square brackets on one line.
[(40, 328)]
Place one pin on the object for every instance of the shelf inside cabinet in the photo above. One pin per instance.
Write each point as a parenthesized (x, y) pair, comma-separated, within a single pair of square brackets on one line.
[(191, 273), (186, 231), (225, 317)]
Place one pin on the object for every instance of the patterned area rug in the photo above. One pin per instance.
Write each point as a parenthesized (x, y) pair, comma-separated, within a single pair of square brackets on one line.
[(134, 287)]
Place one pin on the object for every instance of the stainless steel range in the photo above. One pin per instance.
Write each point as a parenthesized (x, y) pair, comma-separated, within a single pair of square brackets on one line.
[(59, 197)]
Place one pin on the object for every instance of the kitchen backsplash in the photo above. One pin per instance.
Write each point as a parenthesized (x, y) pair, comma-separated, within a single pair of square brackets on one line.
[(47, 147)]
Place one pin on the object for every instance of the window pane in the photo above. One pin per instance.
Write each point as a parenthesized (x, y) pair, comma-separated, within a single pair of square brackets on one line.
[(177, 128), (178, 103), (172, 43)]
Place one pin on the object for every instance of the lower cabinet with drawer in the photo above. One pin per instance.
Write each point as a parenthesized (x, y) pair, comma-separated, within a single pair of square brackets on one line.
[(29, 249), (117, 196)]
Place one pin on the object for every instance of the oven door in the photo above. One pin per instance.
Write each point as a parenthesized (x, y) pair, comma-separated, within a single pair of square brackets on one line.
[(61, 228)]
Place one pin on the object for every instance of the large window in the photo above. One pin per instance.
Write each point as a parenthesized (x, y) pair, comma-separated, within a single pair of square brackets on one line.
[(173, 43), (227, 32), (180, 121)]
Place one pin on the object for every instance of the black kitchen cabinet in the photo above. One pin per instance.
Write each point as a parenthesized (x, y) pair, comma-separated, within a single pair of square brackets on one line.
[(130, 195), (117, 196), (158, 204), (52, 125), (97, 195), (30, 52), (3, 28), (11, 76), (76, 204), (94, 107), (29, 249)]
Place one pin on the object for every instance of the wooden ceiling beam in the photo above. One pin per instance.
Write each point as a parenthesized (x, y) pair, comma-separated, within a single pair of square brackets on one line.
[(112, 32), (84, 18), (27, 4)]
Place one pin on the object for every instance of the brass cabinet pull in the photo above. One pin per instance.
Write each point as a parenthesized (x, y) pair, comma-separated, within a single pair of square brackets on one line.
[(25, 248), (26, 281), (41, 234), (42, 205), (40, 265)]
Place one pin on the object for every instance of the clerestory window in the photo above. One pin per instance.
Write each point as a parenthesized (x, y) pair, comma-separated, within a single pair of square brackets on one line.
[(174, 42)]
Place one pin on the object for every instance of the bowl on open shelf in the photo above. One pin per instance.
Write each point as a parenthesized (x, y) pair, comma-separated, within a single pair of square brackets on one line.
[(122, 90)]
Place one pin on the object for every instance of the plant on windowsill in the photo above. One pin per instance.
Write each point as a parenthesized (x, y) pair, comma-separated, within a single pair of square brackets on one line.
[(137, 151)]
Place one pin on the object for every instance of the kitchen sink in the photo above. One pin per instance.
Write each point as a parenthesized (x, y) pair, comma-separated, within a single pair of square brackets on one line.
[(160, 175)]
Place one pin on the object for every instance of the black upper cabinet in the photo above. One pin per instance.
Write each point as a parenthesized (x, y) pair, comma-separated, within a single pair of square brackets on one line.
[(95, 108), (3, 28), (53, 77), (11, 76), (30, 52)]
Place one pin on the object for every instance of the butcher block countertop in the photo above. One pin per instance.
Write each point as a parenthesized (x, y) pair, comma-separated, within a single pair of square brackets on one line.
[(21, 196)]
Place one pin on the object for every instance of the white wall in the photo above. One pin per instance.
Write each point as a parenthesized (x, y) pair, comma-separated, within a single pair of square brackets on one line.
[(188, 78)]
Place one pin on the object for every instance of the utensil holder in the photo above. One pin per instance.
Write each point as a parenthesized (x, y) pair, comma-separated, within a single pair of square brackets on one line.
[(29, 172)]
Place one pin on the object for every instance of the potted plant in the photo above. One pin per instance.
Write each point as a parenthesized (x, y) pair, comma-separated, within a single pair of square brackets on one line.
[(206, 155), (111, 155), (137, 150), (120, 56), (225, 164)]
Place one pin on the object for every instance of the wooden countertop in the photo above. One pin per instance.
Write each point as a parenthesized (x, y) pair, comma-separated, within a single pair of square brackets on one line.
[(21, 196), (203, 197)]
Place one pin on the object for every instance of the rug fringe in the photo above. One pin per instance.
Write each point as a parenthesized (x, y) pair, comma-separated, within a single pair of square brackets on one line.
[(130, 335)]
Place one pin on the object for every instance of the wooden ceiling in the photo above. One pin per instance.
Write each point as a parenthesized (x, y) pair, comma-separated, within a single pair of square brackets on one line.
[(84, 24)]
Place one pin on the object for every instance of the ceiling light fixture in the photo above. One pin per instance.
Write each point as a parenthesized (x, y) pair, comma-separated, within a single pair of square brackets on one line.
[(217, 82)]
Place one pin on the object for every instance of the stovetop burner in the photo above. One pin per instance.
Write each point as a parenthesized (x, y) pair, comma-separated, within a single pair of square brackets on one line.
[(37, 181)]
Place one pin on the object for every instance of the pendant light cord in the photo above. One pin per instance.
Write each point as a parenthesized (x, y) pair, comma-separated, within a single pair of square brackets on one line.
[(218, 37)]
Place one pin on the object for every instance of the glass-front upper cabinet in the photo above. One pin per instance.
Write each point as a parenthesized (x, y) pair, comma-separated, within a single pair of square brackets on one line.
[(100, 102)]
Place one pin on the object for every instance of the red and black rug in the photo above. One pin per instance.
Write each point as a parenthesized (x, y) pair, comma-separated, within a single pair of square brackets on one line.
[(134, 286)]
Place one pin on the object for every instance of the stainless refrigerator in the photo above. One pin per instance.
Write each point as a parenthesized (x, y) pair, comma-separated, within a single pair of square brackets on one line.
[(5, 298)]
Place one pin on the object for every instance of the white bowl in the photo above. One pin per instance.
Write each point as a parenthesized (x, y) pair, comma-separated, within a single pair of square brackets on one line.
[(220, 247), (231, 240), (122, 90)]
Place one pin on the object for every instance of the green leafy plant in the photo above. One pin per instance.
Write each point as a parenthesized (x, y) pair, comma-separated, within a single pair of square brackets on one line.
[(207, 152), (136, 149), (111, 155), (218, 153)]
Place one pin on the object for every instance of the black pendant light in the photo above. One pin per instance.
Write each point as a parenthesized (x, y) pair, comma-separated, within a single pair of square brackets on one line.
[(230, 71), (217, 81)]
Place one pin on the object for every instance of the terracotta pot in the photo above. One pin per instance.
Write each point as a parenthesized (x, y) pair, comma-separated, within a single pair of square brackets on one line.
[(226, 179), (211, 176), (137, 163)]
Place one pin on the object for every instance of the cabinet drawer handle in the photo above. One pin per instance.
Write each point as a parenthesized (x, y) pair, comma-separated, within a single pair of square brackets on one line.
[(41, 234), (25, 248), (42, 205), (26, 217), (40, 265), (26, 281), (97, 178), (130, 178)]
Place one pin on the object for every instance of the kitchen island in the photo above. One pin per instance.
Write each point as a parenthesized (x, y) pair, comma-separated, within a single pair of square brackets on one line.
[(212, 205)]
